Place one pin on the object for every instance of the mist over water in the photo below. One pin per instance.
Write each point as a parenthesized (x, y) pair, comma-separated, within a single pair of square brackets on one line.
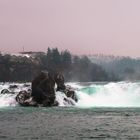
[(119, 94)]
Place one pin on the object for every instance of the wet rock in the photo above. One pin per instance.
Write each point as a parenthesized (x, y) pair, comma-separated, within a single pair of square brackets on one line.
[(26, 85), (50, 102), (29, 91), (59, 79), (5, 91), (69, 91), (43, 89), (13, 86), (24, 99)]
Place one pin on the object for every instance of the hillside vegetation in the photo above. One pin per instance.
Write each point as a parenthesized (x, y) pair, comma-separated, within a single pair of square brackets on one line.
[(25, 67)]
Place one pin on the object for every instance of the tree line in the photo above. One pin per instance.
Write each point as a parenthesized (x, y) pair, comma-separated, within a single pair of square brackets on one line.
[(122, 67), (74, 68)]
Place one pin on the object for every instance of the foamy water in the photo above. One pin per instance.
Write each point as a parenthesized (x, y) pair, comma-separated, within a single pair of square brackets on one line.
[(121, 94)]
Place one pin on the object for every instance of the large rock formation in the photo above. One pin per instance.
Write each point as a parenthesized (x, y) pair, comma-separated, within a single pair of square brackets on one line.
[(43, 90)]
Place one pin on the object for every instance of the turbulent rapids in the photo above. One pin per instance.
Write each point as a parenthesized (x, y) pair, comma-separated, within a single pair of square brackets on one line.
[(121, 94)]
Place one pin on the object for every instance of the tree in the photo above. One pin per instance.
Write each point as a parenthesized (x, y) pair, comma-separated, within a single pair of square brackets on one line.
[(66, 59), (56, 57)]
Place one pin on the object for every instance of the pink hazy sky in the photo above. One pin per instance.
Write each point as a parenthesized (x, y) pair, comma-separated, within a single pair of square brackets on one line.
[(81, 26)]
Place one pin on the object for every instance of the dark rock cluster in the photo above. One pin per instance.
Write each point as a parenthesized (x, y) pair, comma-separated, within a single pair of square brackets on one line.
[(43, 91)]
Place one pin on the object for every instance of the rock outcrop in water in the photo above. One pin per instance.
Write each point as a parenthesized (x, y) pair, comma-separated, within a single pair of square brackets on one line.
[(43, 91), (24, 99)]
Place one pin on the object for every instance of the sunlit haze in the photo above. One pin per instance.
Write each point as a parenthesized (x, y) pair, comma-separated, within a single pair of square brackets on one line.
[(81, 26)]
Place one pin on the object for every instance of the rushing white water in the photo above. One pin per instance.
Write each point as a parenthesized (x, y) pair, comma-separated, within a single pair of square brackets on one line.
[(9, 99), (121, 94)]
